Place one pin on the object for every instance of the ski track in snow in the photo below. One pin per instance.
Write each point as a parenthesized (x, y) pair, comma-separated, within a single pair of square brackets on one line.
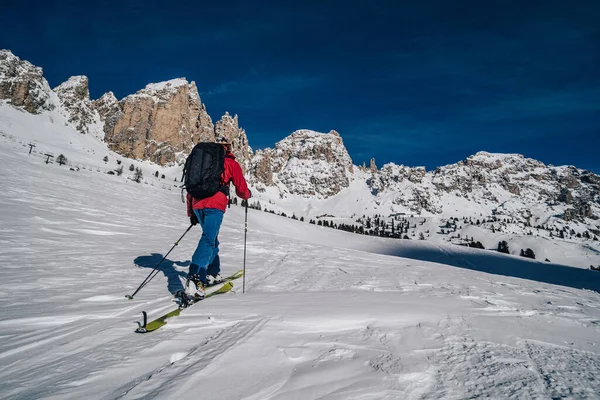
[(326, 315)]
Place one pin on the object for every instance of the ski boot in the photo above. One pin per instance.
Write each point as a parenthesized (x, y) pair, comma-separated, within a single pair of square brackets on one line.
[(213, 280), (194, 288)]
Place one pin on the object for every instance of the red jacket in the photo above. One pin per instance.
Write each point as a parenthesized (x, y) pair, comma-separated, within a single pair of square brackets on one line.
[(232, 173)]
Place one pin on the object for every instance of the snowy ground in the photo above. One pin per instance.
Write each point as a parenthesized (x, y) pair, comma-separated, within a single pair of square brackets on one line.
[(326, 314)]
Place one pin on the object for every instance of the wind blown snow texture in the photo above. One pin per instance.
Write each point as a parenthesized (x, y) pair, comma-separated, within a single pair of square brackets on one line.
[(326, 314)]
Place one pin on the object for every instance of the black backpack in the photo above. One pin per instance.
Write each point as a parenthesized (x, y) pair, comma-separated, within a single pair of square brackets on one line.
[(203, 169)]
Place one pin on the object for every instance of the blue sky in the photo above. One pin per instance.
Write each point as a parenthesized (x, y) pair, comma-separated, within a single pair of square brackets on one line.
[(413, 82)]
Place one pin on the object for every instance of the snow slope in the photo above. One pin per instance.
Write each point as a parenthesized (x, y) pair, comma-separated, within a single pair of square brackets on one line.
[(325, 315)]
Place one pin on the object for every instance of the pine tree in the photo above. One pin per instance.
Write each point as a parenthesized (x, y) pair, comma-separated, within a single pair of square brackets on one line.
[(61, 160), (105, 159), (131, 168), (137, 177), (528, 253), (503, 247), (119, 171)]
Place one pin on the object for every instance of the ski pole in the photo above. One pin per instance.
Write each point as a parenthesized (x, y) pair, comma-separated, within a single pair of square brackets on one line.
[(155, 270), (245, 236)]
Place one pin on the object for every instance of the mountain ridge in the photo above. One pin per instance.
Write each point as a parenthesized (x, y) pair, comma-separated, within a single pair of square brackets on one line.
[(162, 122)]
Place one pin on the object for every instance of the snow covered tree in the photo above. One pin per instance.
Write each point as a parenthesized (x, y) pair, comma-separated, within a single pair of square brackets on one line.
[(61, 159), (131, 168), (527, 253), (156, 174), (503, 247), (119, 171), (421, 236), (105, 159)]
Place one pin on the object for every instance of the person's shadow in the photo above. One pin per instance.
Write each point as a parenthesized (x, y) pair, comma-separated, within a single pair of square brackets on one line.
[(167, 267)]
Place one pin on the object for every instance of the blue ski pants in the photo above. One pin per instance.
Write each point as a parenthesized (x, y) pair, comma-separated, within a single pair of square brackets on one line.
[(205, 260)]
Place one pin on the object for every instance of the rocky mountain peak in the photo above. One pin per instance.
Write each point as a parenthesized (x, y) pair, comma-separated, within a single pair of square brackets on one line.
[(164, 91), (74, 96), (160, 123), (307, 163), (23, 84), (372, 166), (228, 128), (105, 105), (501, 183), (108, 110)]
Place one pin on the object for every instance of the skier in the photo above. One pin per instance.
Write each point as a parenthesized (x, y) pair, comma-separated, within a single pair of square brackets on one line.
[(205, 266)]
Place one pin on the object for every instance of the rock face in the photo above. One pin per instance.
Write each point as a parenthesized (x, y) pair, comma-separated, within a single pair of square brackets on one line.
[(163, 121), (74, 96), (23, 84), (108, 110), (160, 123), (306, 163), (504, 183), (228, 128)]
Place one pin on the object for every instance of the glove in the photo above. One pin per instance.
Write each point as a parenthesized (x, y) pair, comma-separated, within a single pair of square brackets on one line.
[(193, 219)]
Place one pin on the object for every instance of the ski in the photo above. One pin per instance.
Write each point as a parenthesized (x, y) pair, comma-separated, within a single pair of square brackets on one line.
[(161, 321)]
